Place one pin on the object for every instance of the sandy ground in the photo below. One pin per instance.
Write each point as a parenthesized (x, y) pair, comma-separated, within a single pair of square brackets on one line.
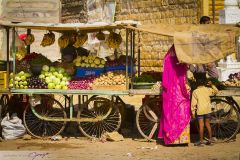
[(85, 149), (81, 148)]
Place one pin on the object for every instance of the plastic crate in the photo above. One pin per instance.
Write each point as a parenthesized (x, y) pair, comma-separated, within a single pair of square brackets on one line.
[(82, 72), (3, 79), (119, 68)]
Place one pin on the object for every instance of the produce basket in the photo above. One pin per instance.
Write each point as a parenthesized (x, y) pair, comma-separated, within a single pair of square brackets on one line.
[(119, 68), (142, 85), (82, 72)]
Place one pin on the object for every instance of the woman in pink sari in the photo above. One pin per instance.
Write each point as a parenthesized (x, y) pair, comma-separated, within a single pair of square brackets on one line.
[(175, 118)]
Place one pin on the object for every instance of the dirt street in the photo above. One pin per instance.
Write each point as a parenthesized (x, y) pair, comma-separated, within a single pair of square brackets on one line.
[(134, 147), (86, 149)]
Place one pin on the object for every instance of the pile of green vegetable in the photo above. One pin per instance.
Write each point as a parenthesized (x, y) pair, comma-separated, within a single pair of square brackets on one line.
[(145, 79), (40, 60)]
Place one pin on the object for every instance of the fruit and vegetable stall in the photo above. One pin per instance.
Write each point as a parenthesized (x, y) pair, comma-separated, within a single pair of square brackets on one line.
[(96, 81)]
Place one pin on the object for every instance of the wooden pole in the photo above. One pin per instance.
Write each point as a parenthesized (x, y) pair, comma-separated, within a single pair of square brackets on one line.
[(28, 46), (8, 61)]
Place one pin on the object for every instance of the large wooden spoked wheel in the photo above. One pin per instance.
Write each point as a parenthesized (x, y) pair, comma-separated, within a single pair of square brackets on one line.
[(147, 119), (97, 107), (39, 128), (64, 100), (225, 120)]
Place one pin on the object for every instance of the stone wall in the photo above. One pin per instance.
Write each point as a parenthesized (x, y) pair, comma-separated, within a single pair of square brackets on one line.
[(219, 5), (38, 11), (74, 11), (31, 11), (154, 47)]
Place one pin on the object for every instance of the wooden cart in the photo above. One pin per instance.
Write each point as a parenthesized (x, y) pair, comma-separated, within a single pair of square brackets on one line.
[(98, 111)]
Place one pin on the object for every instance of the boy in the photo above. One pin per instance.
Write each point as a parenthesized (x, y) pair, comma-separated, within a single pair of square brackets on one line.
[(201, 105)]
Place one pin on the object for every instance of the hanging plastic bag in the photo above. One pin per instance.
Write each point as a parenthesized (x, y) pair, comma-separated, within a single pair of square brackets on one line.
[(20, 46), (12, 127)]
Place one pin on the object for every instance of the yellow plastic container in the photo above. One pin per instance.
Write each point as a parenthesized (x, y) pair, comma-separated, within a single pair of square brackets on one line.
[(3, 79)]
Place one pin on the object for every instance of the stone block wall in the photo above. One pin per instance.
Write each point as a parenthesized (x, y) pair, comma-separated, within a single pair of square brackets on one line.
[(154, 47), (74, 11), (41, 11), (37, 11), (219, 5)]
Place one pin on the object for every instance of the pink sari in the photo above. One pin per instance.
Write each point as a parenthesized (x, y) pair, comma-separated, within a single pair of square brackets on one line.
[(176, 100)]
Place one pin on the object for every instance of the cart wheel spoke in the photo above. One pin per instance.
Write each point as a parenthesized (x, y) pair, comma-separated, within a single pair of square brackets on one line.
[(225, 120), (147, 119), (98, 107), (48, 107), (153, 130)]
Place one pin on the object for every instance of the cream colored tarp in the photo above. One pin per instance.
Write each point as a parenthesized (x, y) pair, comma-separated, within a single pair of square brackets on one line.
[(198, 44)]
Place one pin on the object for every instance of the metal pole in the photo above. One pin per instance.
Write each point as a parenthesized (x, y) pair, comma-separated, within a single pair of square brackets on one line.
[(127, 81), (79, 100), (8, 63), (14, 55), (213, 10), (71, 106), (28, 46), (133, 56), (139, 63), (238, 48)]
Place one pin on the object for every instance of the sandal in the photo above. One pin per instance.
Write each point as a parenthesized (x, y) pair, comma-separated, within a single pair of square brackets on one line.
[(199, 144), (209, 143)]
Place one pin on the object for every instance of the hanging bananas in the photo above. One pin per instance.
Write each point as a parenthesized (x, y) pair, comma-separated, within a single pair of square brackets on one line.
[(72, 38), (63, 41), (48, 39), (80, 40), (114, 40), (100, 36), (29, 39)]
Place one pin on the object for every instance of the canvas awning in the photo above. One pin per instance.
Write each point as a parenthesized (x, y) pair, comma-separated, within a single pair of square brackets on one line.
[(95, 26), (194, 44), (198, 44)]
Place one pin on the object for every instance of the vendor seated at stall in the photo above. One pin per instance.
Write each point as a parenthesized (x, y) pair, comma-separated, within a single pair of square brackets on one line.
[(209, 68), (70, 53)]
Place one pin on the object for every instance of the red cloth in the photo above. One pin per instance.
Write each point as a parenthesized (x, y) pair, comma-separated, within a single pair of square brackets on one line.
[(22, 36)]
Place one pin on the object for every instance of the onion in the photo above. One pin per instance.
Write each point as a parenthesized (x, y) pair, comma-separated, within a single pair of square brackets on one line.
[(81, 83)]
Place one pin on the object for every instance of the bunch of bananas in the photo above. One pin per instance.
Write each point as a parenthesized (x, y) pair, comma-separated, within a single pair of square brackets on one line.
[(80, 40), (63, 41), (48, 39), (72, 38), (29, 39), (114, 40), (100, 36)]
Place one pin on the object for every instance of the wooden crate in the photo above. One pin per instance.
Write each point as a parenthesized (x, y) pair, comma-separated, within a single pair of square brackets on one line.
[(3, 79)]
